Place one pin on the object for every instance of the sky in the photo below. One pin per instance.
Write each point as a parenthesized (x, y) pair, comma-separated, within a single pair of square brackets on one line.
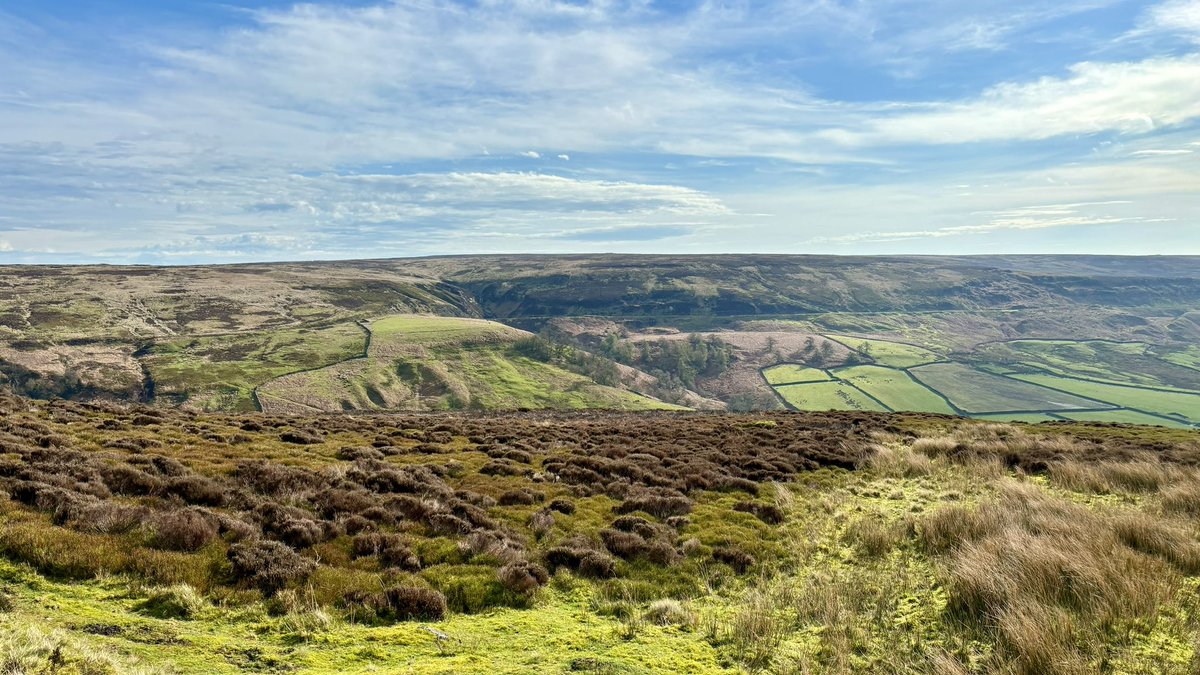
[(142, 131)]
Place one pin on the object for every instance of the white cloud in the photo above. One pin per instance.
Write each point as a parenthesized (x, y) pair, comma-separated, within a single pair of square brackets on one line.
[(1132, 97), (530, 154), (1160, 153), (565, 158), (1174, 16)]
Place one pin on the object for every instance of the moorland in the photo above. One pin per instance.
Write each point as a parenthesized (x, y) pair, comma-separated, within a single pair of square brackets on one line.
[(1003, 338), (139, 539)]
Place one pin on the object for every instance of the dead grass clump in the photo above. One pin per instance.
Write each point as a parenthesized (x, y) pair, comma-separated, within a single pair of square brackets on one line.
[(1183, 499), (1049, 578), (1157, 537), (668, 612), (900, 462), (873, 536), (1134, 477)]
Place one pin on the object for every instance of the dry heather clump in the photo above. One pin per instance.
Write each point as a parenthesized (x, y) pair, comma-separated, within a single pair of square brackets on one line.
[(267, 564)]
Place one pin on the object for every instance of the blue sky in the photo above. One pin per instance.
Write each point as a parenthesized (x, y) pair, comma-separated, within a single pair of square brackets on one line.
[(197, 131)]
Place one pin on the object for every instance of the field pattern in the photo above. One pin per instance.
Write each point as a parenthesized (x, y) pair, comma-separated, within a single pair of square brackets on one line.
[(790, 373), (828, 396), (1018, 380), (884, 353), (896, 389)]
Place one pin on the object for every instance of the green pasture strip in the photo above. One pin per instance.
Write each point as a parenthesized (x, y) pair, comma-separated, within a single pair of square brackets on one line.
[(1170, 403), (827, 396), (975, 391), (885, 353), (791, 373), (1124, 417), (1030, 418), (894, 388)]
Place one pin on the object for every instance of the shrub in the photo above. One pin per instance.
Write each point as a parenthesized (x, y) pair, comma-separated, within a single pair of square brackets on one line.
[(735, 557), (583, 559), (520, 497), (299, 437), (659, 505), (768, 513), (402, 603), (541, 523), (268, 565), (392, 550), (183, 530), (180, 601), (563, 506), (523, 578), (197, 490)]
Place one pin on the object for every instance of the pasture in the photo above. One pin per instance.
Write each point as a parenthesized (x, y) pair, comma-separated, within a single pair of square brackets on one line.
[(896, 389), (827, 396)]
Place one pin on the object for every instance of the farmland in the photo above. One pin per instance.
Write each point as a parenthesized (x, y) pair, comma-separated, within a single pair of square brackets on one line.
[(1021, 380), (960, 335)]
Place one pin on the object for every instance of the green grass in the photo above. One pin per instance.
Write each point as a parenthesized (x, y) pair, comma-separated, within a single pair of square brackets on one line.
[(1124, 417), (443, 363), (1186, 406), (827, 396), (1030, 418), (894, 388), (791, 373), (884, 353), (975, 391), (1097, 360), (219, 373), (1188, 358)]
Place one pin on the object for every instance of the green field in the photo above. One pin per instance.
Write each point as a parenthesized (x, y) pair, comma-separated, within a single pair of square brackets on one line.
[(431, 330), (1188, 358), (1175, 404), (975, 391), (884, 353), (443, 363), (1029, 418), (1123, 417), (791, 373), (827, 396), (894, 388), (1099, 360), (220, 373)]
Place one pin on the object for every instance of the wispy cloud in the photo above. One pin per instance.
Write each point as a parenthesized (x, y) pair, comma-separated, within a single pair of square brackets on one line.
[(330, 129)]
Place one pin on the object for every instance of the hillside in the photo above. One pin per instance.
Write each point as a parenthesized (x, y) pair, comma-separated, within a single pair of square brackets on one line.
[(248, 337), (149, 540)]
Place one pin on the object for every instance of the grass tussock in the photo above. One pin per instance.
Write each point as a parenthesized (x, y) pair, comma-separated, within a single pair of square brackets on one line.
[(28, 649), (1052, 581)]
